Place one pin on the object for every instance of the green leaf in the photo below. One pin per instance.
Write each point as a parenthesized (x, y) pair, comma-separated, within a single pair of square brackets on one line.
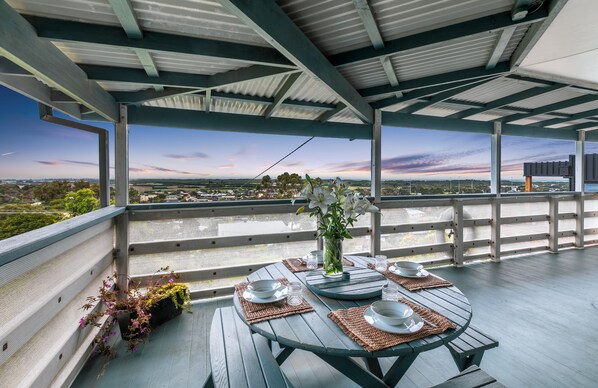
[(300, 210)]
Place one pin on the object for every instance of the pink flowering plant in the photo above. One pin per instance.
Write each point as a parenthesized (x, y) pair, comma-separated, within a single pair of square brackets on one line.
[(136, 305)]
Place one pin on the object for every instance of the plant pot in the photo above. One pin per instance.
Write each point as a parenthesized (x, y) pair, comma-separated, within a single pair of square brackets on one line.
[(124, 320), (164, 310), (333, 258)]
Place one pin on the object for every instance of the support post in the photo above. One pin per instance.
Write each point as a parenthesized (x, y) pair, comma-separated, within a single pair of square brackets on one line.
[(495, 166), (495, 159), (528, 183), (553, 224), (580, 188), (376, 176), (104, 162), (495, 230), (121, 143), (458, 233)]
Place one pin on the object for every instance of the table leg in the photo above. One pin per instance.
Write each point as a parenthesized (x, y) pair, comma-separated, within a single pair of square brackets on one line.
[(353, 370), (398, 369), (374, 366), (284, 354)]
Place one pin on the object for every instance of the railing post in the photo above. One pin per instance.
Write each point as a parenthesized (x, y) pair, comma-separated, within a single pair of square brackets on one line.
[(121, 156), (458, 233), (104, 166), (376, 174), (495, 229), (553, 224), (580, 188)]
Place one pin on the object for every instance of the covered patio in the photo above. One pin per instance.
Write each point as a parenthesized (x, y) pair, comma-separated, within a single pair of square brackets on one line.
[(339, 69)]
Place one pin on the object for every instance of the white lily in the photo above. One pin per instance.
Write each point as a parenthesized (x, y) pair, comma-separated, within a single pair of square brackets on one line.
[(321, 198)]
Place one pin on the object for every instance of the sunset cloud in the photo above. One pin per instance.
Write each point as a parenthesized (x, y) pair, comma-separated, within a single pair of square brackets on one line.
[(226, 166), (6, 154), (191, 156)]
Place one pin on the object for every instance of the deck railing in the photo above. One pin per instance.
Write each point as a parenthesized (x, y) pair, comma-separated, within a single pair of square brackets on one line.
[(45, 275), (214, 245)]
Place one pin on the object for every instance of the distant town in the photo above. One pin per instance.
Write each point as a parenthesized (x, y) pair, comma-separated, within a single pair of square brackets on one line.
[(28, 204)]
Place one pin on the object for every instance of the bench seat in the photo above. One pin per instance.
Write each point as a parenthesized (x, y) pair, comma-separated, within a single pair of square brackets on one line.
[(468, 349), (240, 358), (472, 377)]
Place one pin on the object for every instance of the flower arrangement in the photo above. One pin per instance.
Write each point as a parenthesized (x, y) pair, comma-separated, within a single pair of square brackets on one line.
[(135, 308), (337, 208)]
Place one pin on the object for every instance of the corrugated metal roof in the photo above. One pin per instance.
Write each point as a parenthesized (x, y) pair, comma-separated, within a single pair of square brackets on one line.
[(199, 18), (547, 98), (514, 42), (493, 90), (95, 54), (123, 87), (365, 74), (346, 117), (332, 25), (90, 11), (185, 63), (486, 116), (262, 87), (402, 18), (297, 112), (308, 89), (438, 111), (580, 108), (444, 57)]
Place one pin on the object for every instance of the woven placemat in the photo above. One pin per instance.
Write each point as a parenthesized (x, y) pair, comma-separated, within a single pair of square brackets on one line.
[(258, 312), (297, 265), (413, 284), (352, 322)]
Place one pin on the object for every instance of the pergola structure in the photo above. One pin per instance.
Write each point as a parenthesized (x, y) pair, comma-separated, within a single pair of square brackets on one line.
[(335, 68)]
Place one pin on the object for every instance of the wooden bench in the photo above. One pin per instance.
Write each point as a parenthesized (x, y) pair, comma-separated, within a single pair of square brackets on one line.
[(472, 377), (240, 358), (468, 349)]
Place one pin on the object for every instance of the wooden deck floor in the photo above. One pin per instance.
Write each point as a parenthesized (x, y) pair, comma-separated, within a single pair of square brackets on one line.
[(543, 309)]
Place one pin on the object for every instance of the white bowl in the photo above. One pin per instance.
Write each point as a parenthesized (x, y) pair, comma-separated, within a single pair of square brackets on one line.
[(391, 312), (408, 267), (264, 288)]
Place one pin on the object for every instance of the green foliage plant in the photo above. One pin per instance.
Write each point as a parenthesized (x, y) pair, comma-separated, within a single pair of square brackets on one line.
[(137, 302), (81, 201)]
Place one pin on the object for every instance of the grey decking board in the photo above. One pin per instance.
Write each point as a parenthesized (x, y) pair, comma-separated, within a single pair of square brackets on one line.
[(489, 287)]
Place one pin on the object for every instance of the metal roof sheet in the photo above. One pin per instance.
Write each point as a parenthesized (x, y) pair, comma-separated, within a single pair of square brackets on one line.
[(547, 98), (123, 87), (199, 18), (580, 108), (438, 110), (186, 63), (365, 74), (90, 11), (402, 18), (96, 54), (445, 57), (519, 33), (308, 89), (493, 90), (261, 87), (332, 25)]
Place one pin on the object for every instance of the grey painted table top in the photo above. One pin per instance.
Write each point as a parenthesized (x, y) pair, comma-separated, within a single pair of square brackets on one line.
[(317, 333), (363, 283)]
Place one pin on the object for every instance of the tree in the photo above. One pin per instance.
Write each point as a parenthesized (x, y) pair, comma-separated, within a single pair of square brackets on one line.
[(13, 225), (52, 190), (134, 196), (81, 202), (266, 181)]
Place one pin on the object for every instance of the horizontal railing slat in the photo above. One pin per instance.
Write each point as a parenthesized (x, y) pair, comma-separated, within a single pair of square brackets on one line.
[(416, 227), (228, 242), (420, 250)]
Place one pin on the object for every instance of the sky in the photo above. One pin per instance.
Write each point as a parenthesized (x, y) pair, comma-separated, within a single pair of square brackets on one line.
[(31, 148)]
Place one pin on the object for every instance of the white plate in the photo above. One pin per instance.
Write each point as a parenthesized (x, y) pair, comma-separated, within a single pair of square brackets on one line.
[(414, 324), (421, 274), (280, 294)]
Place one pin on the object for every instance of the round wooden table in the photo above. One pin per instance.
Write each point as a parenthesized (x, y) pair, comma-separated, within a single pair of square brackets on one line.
[(317, 333)]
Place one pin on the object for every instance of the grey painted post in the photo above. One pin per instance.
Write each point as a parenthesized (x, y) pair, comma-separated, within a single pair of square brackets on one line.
[(104, 162), (121, 154), (458, 233), (580, 188), (495, 164), (553, 224), (376, 187)]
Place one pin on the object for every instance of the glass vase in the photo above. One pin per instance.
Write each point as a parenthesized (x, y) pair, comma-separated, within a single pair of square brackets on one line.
[(333, 257)]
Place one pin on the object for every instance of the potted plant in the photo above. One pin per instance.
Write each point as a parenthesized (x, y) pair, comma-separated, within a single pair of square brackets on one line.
[(336, 208), (137, 311)]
